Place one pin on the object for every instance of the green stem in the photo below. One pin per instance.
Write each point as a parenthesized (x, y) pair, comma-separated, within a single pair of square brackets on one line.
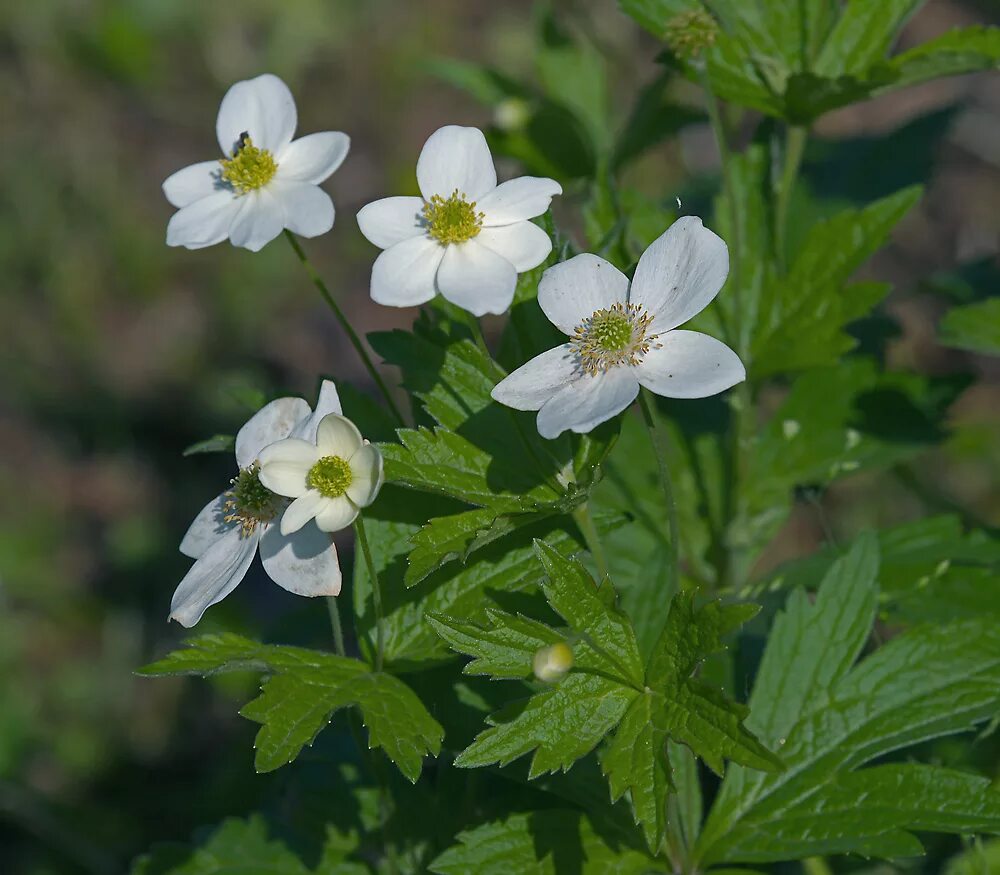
[(338, 630), (585, 522), (795, 143), (359, 530), (477, 335), (352, 335), (658, 438)]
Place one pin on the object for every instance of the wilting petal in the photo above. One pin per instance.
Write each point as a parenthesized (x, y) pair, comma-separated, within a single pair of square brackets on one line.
[(314, 157), (193, 183), (262, 107), (273, 422), (538, 379), (304, 563), (517, 200), (476, 278), (213, 576), (690, 365), (523, 244), (206, 528), (680, 273), (391, 220), (204, 222), (588, 402), (571, 291), (456, 159), (403, 275)]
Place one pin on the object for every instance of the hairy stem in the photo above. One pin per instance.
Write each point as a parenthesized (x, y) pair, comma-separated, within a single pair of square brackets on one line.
[(359, 530), (352, 335), (659, 440)]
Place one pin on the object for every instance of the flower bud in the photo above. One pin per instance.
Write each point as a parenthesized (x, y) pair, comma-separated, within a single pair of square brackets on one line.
[(552, 662), (690, 33)]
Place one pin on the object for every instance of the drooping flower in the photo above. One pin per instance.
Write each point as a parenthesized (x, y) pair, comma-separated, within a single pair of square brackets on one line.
[(330, 477), (623, 336), (264, 183), (231, 528), (465, 237)]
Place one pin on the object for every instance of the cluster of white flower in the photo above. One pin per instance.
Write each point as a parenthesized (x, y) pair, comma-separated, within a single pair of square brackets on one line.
[(465, 237)]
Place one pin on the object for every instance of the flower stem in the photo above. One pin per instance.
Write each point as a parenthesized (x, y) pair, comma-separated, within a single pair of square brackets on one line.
[(359, 530), (477, 335), (338, 630), (658, 438), (352, 335), (795, 142), (584, 520)]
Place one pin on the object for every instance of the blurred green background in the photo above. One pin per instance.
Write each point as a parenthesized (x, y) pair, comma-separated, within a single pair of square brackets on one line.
[(118, 352)]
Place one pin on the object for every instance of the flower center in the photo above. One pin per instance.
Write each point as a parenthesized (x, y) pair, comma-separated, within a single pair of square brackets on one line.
[(250, 168), (330, 476), (616, 336), (249, 502), (454, 220)]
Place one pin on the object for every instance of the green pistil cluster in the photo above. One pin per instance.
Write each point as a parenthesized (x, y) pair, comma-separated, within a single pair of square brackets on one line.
[(250, 168), (249, 502), (618, 335), (454, 220), (690, 33), (330, 476)]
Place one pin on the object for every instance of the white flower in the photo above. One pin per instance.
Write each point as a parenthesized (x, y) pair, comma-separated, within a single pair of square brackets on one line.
[(466, 237), (624, 337), (265, 182), (225, 536), (330, 477)]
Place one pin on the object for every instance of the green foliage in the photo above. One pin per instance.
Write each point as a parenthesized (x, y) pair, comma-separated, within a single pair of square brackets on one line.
[(975, 327), (301, 691), (217, 443), (609, 688), (829, 717)]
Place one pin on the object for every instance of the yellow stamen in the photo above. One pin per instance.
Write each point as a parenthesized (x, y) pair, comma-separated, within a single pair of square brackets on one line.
[(617, 335), (454, 220), (250, 168)]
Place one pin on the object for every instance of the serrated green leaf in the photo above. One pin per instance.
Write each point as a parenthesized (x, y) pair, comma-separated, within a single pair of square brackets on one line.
[(539, 843), (502, 650), (927, 682), (560, 725), (863, 35), (303, 689), (218, 443), (975, 327), (574, 595), (962, 50), (444, 462)]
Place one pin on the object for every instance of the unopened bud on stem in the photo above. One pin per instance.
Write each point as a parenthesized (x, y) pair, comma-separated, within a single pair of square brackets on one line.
[(552, 662)]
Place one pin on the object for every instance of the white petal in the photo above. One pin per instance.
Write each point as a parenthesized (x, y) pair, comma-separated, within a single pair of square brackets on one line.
[(391, 220), (213, 576), (336, 514), (570, 292), (328, 402), (588, 402), (204, 222), (285, 464), (537, 380), (523, 244), (403, 275), (338, 436), (307, 209), (271, 423), (206, 528), (517, 200), (476, 278), (680, 273), (690, 365), (304, 563), (314, 157), (260, 219), (367, 476), (193, 183), (456, 159), (262, 107), (300, 511)]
